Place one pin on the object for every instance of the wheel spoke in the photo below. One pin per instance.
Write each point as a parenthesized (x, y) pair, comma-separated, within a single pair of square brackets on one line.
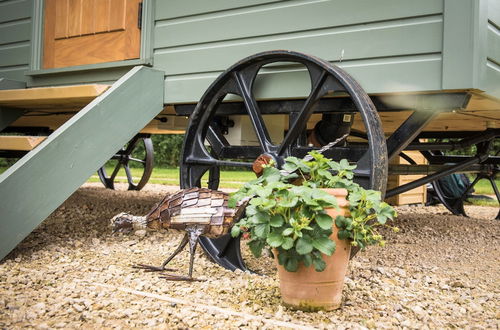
[(131, 145), (254, 113), (304, 114), (115, 172), (129, 174), (217, 162), (137, 160), (469, 188), (495, 188), (216, 139)]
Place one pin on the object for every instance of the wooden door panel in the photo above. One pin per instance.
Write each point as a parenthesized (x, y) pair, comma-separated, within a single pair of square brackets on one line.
[(90, 31)]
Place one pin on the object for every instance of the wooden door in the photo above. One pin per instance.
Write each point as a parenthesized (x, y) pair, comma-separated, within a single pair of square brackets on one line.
[(90, 31)]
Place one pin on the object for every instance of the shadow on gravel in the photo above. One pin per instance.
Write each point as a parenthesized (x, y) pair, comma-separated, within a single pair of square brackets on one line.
[(84, 216)]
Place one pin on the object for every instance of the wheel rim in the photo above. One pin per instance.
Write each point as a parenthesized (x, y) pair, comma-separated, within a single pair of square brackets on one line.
[(455, 204), (239, 80), (126, 157)]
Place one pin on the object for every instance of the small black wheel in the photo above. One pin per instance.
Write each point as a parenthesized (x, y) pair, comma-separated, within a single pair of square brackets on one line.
[(454, 191), (205, 147), (131, 154)]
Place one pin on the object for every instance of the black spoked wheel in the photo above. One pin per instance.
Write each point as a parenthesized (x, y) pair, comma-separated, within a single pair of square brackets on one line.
[(205, 146), (137, 153), (455, 191)]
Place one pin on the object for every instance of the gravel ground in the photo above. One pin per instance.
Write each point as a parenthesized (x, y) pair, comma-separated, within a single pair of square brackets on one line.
[(440, 271)]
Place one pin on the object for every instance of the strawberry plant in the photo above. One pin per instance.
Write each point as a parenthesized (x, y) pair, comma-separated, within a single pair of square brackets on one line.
[(286, 211)]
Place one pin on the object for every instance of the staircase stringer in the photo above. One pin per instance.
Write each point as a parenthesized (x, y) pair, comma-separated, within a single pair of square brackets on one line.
[(42, 180)]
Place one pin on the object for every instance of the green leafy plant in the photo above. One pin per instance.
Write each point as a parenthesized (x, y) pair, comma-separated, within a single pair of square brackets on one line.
[(286, 211)]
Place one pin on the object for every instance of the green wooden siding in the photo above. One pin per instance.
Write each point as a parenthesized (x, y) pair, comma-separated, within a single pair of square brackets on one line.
[(15, 37), (388, 45), (399, 41), (493, 44), (179, 8), (491, 76), (280, 18)]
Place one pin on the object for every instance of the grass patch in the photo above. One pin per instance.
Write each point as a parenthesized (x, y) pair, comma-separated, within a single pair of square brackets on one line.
[(483, 187), (233, 179), (170, 176), (482, 202)]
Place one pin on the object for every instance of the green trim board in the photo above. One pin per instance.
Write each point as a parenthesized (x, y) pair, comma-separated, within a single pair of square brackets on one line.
[(40, 181), (98, 66), (101, 76), (464, 43), (37, 35)]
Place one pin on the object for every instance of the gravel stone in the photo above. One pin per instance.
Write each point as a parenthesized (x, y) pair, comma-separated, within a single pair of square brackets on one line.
[(439, 271)]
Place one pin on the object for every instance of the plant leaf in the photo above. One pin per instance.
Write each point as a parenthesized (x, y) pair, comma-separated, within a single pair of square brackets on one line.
[(325, 245), (287, 232), (274, 240), (304, 246), (262, 230), (287, 243), (292, 264), (324, 221), (282, 258), (307, 259), (260, 217), (344, 234), (340, 221), (289, 202), (256, 247), (235, 231), (319, 264), (276, 220)]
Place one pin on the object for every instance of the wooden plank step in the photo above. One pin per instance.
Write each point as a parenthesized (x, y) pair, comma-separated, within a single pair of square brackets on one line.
[(48, 97), (24, 143)]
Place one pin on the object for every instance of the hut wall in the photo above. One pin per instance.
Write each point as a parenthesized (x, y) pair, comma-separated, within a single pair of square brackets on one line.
[(15, 38)]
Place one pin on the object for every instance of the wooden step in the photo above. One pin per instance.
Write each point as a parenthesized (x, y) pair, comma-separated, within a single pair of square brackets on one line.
[(24, 143), (51, 97)]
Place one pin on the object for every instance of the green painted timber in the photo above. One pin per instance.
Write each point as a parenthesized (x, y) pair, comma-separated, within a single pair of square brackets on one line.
[(491, 79), (388, 48), (166, 9), (15, 38), (39, 182), (387, 45), (15, 10), (9, 115), (279, 18)]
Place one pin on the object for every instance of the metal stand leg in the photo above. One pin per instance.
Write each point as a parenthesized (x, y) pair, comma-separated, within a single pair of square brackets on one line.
[(162, 267), (193, 233)]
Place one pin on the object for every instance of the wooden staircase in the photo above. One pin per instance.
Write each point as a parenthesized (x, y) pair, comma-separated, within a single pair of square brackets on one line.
[(25, 104), (82, 140)]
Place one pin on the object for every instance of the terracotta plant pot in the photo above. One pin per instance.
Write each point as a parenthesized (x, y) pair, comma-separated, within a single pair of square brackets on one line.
[(309, 290)]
